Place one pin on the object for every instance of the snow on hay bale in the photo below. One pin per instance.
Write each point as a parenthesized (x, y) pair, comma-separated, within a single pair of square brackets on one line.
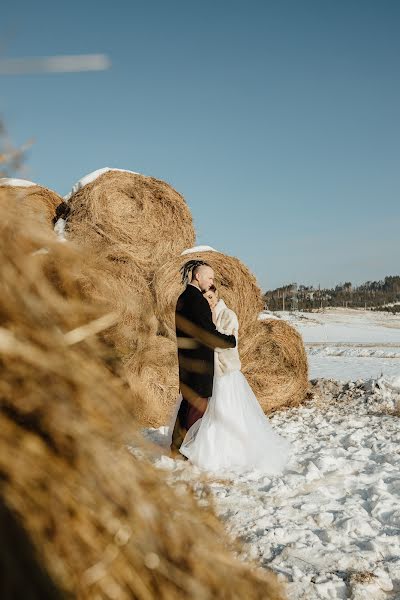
[(274, 362), (36, 202), (235, 283), (140, 219), (102, 523)]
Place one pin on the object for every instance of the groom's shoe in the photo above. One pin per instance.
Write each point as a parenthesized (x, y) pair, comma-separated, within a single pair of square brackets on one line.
[(176, 455)]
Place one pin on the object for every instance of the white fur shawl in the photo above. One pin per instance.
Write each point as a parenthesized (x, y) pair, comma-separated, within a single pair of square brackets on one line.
[(227, 359)]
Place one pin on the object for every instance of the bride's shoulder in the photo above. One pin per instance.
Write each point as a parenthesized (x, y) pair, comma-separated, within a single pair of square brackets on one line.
[(229, 315), (231, 312)]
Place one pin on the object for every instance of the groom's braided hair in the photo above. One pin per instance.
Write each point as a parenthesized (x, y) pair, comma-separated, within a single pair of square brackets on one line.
[(189, 269)]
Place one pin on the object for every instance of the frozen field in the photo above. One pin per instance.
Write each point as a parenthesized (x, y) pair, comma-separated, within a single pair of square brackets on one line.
[(348, 344), (330, 525)]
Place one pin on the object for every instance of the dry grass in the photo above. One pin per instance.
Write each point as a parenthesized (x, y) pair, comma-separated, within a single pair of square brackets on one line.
[(100, 523), (274, 362), (121, 288), (11, 157), (361, 577), (139, 219), (156, 365), (17, 558), (141, 353), (235, 283), (37, 203)]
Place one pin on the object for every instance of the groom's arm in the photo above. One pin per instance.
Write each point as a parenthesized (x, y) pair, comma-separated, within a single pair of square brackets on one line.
[(200, 327)]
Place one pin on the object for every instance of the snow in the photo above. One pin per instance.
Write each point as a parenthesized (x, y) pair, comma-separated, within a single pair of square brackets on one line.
[(346, 325), (9, 181), (345, 369), (335, 512), (199, 249), (59, 229), (383, 352), (91, 177), (329, 526), (347, 344)]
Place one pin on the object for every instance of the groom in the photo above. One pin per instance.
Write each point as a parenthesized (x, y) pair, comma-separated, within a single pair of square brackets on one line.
[(197, 337)]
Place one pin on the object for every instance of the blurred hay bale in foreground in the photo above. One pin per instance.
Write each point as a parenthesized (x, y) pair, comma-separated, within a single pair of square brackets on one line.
[(156, 365), (123, 289), (102, 523), (274, 362), (17, 558)]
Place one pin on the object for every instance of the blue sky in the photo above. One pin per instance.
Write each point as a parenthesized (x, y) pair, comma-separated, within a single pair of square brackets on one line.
[(279, 121)]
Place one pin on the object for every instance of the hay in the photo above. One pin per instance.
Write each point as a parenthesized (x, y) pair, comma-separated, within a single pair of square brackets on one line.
[(17, 559), (121, 288), (274, 361), (140, 219), (155, 365), (107, 526), (140, 353), (235, 283), (102, 523), (37, 203)]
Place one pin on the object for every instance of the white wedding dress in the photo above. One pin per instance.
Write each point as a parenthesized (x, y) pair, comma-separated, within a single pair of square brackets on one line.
[(234, 434)]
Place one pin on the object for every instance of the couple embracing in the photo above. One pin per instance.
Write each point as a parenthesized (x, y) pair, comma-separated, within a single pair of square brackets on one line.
[(220, 425)]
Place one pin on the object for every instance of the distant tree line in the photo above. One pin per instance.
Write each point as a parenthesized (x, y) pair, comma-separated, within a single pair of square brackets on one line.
[(374, 295)]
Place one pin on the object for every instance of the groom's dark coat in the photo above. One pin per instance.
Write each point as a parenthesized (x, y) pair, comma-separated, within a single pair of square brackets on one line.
[(197, 337)]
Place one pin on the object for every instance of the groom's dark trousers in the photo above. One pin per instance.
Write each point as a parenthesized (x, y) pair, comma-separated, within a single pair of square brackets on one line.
[(197, 337)]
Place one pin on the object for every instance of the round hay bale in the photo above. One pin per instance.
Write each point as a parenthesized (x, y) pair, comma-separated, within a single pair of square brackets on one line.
[(102, 523), (37, 203), (91, 177), (274, 361), (235, 283), (155, 366), (140, 219)]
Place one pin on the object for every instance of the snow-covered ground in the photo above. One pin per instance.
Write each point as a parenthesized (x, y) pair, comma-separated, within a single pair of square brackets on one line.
[(329, 526), (348, 344)]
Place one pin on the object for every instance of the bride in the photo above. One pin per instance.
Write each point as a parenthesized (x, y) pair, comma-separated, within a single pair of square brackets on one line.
[(233, 434)]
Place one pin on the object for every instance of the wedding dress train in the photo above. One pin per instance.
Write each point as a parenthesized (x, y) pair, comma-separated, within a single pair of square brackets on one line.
[(234, 434)]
